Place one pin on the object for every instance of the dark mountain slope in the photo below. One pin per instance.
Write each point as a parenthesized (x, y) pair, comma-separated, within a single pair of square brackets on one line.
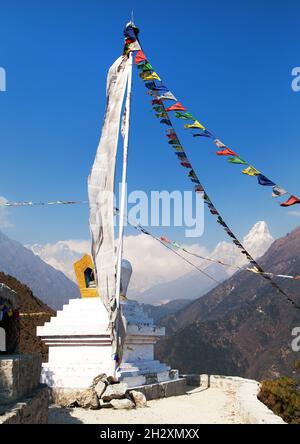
[(33, 312), (244, 325), (157, 312)]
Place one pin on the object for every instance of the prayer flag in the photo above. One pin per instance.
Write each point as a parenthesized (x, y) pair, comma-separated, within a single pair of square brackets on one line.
[(156, 102), (186, 164), (140, 57), (181, 155), (205, 133), (226, 152), (237, 160), (162, 115), (186, 116), (199, 189), (278, 191), (196, 124), (251, 171), (167, 96), (150, 85), (145, 67), (192, 174), (176, 107), (291, 201), (159, 108), (166, 122), (149, 75), (263, 180), (219, 143), (172, 136)]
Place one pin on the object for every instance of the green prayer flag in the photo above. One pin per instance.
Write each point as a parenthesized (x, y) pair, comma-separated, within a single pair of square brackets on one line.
[(186, 116), (159, 109), (237, 160), (145, 67)]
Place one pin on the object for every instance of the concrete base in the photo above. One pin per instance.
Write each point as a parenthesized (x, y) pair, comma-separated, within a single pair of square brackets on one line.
[(32, 409)]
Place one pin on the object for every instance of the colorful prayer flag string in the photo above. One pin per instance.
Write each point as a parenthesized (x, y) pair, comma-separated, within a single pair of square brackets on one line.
[(182, 157), (250, 170)]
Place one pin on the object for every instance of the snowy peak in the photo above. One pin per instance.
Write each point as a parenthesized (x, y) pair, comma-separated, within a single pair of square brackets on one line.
[(259, 230), (258, 240)]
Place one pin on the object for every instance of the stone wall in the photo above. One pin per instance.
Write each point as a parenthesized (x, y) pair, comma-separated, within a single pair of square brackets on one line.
[(250, 408), (23, 400), (19, 376), (32, 409), (163, 389)]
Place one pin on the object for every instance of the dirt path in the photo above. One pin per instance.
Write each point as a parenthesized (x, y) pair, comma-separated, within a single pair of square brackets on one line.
[(198, 406)]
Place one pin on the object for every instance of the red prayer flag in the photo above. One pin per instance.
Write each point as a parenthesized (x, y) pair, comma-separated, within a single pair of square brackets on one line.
[(291, 201), (172, 136), (140, 57), (226, 152), (176, 107), (186, 164), (157, 102), (129, 40), (165, 239)]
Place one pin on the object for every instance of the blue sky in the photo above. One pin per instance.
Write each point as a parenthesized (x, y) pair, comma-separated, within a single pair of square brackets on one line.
[(228, 62)]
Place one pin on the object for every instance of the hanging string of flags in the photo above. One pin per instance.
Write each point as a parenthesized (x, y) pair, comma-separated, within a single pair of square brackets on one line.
[(176, 247), (161, 241), (161, 92), (31, 204)]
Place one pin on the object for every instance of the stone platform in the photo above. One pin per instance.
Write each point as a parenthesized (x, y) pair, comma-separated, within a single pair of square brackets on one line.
[(80, 346), (23, 400), (31, 409)]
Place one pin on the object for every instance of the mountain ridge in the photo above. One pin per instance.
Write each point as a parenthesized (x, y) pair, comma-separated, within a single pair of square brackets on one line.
[(47, 283), (253, 321)]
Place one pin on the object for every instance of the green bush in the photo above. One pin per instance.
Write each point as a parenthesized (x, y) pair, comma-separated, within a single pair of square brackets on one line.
[(283, 397)]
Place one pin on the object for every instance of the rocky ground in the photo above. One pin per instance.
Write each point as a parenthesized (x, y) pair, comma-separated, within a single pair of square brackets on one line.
[(198, 406)]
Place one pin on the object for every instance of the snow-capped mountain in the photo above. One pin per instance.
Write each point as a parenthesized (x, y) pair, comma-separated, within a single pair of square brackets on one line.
[(62, 254), (47, 283), (257, 242)]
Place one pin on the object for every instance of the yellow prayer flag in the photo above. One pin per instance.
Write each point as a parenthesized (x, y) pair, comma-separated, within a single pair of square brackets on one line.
[(251, 171), (196, 124), (149, 75), (178, 148)]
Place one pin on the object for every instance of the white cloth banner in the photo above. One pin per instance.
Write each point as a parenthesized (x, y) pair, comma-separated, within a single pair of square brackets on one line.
[(101, 187)]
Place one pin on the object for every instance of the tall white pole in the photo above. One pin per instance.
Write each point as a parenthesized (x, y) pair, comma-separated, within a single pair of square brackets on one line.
[(123, 183)]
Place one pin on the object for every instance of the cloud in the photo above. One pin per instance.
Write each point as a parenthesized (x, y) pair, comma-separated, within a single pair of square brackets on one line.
[(294, 213), (4, 214), (152, 263)]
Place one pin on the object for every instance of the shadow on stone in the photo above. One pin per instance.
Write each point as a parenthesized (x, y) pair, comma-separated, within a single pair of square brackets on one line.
[(60, 415)]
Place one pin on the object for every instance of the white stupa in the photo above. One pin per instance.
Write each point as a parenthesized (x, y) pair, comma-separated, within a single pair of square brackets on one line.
[(80, 346)]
